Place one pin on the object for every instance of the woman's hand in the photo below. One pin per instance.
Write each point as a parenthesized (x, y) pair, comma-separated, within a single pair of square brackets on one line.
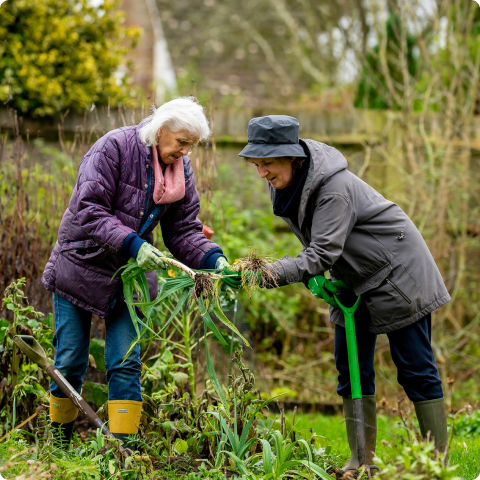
[(221, 263), (324, 288), (149, 258), (234, 279)]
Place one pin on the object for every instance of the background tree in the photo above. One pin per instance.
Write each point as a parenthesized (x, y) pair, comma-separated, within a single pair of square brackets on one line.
[(59, 54), (262, 50), (372, 90)]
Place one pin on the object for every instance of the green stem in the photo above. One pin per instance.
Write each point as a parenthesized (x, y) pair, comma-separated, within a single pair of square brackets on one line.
[(15, 364), (188, 352), (231, 338), (15, 359)]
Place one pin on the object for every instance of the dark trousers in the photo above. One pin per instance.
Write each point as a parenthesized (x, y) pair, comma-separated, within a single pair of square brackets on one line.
[(411, 351)]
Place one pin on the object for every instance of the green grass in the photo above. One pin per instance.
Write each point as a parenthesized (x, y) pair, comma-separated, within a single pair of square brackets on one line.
[(464, 451), (80, 461)]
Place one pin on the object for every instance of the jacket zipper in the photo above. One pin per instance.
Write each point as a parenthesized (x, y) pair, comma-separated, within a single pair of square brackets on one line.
[(398, 290), (144, 219)]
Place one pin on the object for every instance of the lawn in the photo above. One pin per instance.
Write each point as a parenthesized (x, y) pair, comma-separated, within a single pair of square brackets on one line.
[(464, 450), (91, 461)]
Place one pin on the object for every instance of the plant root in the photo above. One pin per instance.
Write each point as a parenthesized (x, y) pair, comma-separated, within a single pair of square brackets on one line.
[(203, 285), (255, 264)]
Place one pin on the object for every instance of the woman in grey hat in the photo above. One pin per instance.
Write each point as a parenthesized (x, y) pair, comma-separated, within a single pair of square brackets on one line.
[(349, 229)]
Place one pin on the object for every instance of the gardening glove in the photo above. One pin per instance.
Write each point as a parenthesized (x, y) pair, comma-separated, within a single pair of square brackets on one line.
[(221, 263), (324, 288), (148, 257), (233, 281)]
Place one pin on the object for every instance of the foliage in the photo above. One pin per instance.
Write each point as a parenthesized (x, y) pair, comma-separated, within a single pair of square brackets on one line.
[(204, 294), (36, 182), (57, 55), (24, 385), (417, 462), (87, 461), (280, 465), (468, 425)]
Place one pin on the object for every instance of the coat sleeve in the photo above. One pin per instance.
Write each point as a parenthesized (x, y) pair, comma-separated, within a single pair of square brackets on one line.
[(96, 190), (182, 230), (333, 220)]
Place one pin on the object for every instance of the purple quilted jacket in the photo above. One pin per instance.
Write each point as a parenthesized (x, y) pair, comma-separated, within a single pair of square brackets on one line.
[(108, 204)]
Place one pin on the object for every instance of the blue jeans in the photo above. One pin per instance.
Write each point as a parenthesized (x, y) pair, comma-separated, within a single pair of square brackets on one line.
[(72, 341), (411, 352)]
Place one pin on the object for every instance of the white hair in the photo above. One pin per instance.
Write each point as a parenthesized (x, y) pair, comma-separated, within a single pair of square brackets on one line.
[(184, 113)]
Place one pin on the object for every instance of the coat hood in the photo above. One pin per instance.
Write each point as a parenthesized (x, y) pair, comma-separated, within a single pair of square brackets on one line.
[(325, 162)]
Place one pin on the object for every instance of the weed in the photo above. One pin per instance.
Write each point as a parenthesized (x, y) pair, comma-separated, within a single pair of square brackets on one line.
[(25, 386), (417, 461)]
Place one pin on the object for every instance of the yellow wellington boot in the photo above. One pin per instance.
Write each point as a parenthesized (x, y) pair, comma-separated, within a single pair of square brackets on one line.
[(124, 417), (63, 414)]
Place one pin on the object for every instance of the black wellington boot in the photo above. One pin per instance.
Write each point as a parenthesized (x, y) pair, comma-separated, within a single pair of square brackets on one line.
[(62, 434)]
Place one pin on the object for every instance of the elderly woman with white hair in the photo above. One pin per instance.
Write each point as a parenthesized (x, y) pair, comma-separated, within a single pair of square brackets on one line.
[(131, 179)]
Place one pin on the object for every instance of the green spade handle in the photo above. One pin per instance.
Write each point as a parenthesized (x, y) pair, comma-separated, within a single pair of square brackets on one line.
[(354, 368), (353, 364)]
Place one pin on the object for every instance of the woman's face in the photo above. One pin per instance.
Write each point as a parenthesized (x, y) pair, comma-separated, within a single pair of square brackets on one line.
[(277, 171), (173, 145)]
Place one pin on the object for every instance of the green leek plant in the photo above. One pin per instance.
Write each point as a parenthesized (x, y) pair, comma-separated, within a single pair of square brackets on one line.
[(279, 465), (202, 288), (236, 445)]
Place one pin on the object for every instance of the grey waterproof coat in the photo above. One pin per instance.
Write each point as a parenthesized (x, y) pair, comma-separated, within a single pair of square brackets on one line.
[(368, 242)]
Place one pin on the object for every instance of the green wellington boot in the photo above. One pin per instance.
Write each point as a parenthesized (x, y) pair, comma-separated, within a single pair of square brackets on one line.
[(432, 417), (370, 417)]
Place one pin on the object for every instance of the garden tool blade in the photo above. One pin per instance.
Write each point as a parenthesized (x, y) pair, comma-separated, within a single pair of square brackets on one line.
[(32, 349)]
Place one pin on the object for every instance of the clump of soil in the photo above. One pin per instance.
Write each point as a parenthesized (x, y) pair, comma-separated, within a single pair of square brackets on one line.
[(255, 272), (203, 285)]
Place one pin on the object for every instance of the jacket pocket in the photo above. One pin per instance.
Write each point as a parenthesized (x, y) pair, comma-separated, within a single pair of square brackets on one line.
[(373, 280), (82, 249), (403, 295)]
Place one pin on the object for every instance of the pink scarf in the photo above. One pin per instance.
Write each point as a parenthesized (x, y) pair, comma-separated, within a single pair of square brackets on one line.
[(169, 187)]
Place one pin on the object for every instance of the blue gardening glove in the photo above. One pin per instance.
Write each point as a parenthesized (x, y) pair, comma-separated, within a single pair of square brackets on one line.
[(149, 257), (324, 288)]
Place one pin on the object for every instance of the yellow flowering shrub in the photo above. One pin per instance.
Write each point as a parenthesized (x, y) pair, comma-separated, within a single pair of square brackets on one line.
[(60, 54)]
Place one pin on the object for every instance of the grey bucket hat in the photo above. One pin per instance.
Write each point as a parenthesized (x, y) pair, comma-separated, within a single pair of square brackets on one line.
[(273, 136)]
